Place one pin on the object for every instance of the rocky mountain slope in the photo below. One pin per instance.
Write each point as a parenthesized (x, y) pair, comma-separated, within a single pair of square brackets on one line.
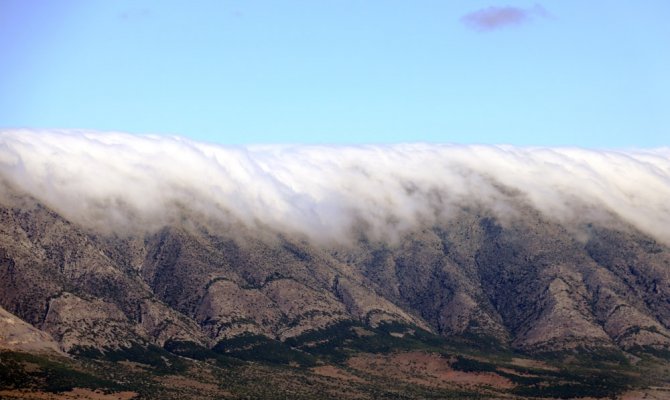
[(543, 271), (528, 282)]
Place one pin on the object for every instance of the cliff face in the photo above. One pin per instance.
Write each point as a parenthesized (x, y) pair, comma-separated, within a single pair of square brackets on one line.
[(528, 281)]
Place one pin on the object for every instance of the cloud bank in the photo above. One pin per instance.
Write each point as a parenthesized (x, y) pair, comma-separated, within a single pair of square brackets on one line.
[(119, 181), (492, 18)]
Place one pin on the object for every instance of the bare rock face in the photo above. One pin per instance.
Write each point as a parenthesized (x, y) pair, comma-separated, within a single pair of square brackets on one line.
[(304, 308), (627, 325), (18, 335), (565, 320), (87, 323), (161, 323), (528, 282), (370, 307), (229, 310)]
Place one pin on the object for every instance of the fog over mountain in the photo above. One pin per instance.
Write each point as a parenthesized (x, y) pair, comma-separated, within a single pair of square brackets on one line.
[(125, 247), (122, 182)]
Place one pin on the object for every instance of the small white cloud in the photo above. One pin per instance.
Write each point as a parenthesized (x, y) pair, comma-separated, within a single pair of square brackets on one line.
[(492, 18)]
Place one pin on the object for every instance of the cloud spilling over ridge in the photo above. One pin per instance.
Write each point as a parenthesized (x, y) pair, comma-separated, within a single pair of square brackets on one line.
[(492, 18), (117, 181)]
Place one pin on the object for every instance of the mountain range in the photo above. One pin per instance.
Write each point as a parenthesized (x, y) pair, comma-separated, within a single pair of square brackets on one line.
[(544, 273)]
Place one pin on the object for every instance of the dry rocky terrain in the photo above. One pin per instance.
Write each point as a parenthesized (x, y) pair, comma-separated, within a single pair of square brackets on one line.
[(350, 313)]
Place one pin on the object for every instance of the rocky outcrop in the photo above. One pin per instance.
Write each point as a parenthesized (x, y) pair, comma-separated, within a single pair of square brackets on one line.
[(18, 335)]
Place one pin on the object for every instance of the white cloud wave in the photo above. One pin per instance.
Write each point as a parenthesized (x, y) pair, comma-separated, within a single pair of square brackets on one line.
[(117, 180)]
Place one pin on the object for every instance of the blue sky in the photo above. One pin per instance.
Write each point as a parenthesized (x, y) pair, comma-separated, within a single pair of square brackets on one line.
[(563, 72)]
